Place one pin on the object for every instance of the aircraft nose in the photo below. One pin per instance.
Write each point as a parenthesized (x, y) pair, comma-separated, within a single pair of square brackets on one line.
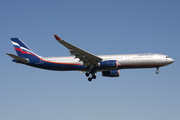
[(171, 60)]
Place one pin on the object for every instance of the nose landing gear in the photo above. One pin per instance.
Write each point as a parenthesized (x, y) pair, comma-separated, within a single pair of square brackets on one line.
[(157, 72)]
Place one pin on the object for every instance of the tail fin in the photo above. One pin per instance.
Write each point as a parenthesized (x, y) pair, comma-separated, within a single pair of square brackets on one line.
[(22, 49)]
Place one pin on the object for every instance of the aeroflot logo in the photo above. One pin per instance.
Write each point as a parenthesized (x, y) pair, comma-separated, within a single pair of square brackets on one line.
[(22, 49), (18, 46)]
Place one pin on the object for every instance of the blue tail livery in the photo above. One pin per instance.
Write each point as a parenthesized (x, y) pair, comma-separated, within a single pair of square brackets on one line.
[(84, 61), (22, 49)]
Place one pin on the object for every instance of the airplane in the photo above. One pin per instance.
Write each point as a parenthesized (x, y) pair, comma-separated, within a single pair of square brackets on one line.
[(86, 62)]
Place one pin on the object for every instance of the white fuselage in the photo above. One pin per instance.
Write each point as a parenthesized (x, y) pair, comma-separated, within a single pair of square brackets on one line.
[(125, 61)]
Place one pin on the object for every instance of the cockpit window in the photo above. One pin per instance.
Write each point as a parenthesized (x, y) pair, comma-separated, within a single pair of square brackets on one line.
[(167, 56)]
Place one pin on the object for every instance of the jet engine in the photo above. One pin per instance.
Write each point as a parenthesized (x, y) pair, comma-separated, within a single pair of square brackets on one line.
[(112, 73), (108, 64)]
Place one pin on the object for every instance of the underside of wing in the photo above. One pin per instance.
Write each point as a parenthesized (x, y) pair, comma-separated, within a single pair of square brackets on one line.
[(86, 57)]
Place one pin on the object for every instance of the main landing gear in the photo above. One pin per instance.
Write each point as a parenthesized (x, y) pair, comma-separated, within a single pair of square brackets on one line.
[(157, 72), (93, 76)]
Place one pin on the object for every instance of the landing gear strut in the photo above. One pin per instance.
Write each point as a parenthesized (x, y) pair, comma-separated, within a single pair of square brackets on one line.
[(157, 72)]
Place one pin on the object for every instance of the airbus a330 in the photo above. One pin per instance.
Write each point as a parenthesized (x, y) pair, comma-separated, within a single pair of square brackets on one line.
[(86, 62)]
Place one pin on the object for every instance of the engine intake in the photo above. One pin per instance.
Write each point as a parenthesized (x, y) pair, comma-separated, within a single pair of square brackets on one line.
[(112, 73)]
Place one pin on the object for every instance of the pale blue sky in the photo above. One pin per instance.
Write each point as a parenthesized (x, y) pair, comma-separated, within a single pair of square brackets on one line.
[(100, 27)]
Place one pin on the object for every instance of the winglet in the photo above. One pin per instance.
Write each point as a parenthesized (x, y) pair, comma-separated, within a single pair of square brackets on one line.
[(57, 38)]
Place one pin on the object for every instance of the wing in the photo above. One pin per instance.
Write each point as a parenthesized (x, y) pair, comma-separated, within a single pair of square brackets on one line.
[(86, 57)]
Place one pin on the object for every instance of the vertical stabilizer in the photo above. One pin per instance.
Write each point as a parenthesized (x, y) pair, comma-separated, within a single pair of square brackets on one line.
[(22, 49)]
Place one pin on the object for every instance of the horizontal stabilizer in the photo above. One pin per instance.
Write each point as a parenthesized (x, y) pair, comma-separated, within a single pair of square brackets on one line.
[(18, 58)]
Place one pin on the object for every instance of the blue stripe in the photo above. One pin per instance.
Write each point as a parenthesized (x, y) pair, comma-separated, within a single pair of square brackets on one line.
[(16, 46), (17, 40)]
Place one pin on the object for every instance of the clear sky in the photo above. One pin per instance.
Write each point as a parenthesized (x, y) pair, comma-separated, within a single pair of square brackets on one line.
[(100, 27)]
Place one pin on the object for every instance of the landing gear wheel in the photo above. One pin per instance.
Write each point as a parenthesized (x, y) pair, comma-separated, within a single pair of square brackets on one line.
[(91, 74), (90, 79), (87, 74), (94, 76)]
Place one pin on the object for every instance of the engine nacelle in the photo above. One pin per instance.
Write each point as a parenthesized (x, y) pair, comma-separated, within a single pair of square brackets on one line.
[(108, 64), (112, 73)]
